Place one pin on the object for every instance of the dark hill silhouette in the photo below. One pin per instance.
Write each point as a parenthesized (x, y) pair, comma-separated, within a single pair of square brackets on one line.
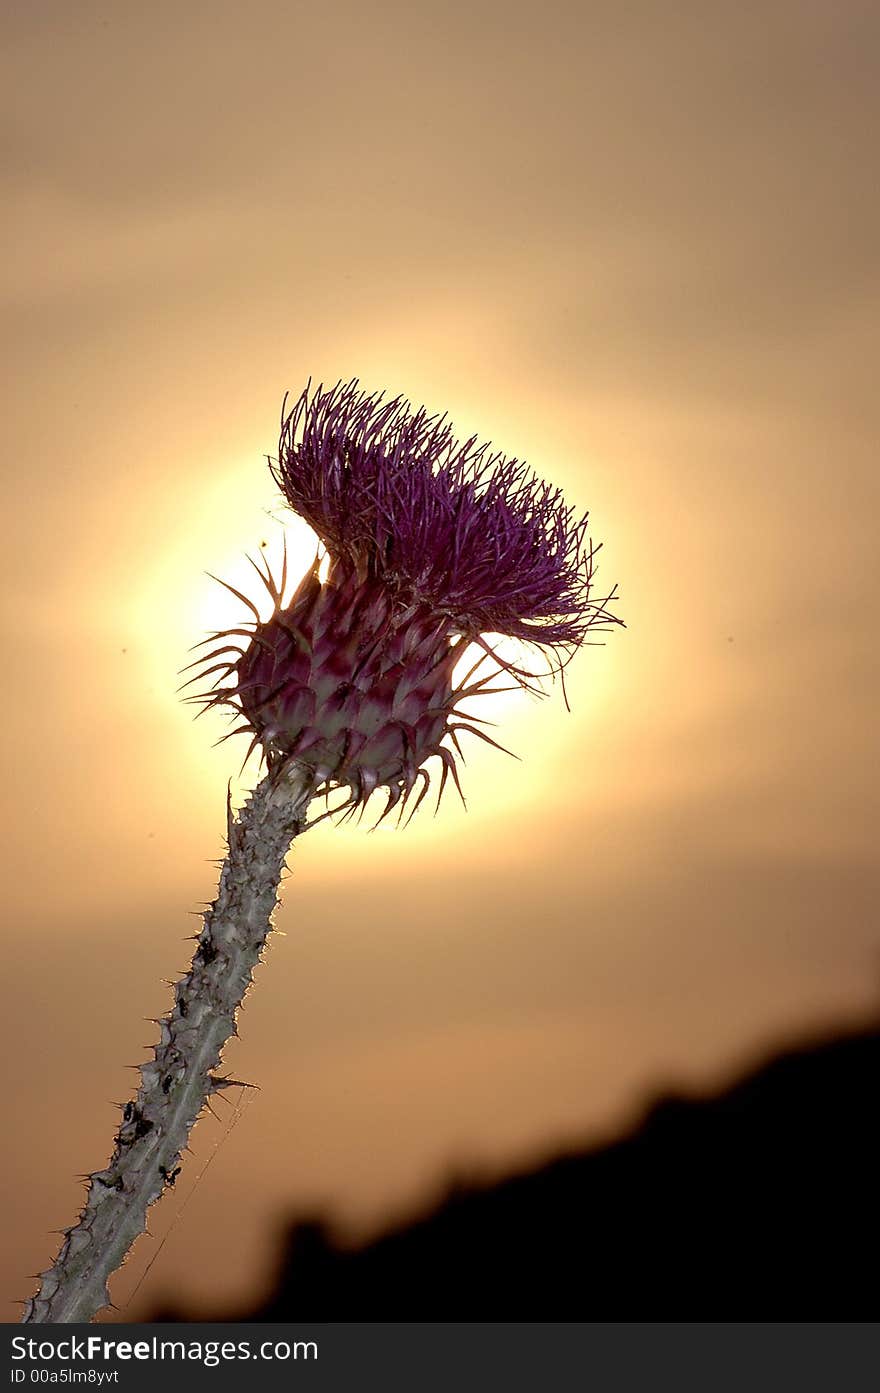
[(760, 1202)]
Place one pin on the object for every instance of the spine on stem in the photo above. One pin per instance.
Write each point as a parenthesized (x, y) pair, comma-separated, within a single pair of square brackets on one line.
[(180, 1078)]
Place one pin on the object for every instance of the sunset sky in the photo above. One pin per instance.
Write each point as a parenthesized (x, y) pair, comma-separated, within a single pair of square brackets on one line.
[(638, 244)]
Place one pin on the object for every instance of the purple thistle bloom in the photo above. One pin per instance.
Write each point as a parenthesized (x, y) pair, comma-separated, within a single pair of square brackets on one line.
[(477, 536), (432, 545)]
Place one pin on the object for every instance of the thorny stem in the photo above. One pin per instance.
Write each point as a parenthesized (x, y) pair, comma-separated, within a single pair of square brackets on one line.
[(176, 1084)]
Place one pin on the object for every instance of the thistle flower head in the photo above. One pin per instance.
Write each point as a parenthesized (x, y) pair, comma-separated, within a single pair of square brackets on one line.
[(432, 545), (477, 536)]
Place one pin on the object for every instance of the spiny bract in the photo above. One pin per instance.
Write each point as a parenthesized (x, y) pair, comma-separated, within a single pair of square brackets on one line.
[(432, 545)]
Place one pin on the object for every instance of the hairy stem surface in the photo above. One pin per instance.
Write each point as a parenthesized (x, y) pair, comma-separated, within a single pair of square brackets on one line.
[(176, 1083)]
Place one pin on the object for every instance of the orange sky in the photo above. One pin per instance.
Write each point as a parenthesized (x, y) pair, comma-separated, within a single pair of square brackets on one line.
[(636, 244)]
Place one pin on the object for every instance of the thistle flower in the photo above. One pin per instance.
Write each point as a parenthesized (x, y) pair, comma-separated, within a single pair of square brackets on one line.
[(432, 545)]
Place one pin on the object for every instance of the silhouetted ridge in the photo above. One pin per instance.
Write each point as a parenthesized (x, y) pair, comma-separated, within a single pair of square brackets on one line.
[(757, 1203)]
